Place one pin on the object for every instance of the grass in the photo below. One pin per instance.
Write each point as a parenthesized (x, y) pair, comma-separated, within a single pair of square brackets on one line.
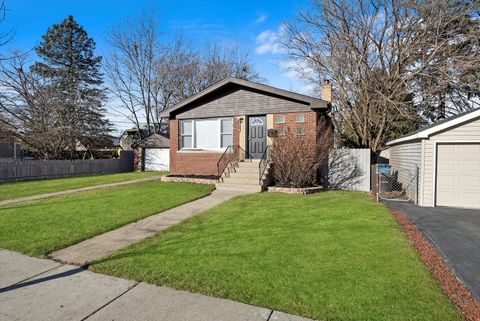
[(41, 227), (21, 189), (329, 256)]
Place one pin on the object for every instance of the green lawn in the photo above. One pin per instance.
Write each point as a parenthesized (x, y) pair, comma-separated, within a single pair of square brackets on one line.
[(40, 227), (20, 189), (329, 256)]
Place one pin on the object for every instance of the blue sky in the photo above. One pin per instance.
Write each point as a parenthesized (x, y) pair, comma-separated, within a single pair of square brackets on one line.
[(251, 25)]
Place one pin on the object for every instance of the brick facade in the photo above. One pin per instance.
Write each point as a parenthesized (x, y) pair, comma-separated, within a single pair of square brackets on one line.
[(205, 163), (308, 126), (192, 162), (138, 159)]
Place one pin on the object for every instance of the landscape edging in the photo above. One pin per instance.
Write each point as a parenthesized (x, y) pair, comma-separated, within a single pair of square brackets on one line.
[(171, 179), (450, 284), (295, 190)]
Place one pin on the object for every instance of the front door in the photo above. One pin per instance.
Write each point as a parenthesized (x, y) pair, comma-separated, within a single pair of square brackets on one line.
[(257, 138)]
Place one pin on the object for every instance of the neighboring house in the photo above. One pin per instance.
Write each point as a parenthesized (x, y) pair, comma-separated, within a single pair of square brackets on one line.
[(447, 157), (235, 112), (152, 154), (132, 136), (9, 148), (101, 144)]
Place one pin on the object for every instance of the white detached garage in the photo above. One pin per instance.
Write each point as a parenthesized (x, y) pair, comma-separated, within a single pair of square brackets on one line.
[(447, 155), (153, 153)]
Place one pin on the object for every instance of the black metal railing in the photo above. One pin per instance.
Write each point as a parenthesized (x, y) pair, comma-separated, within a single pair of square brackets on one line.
[(262, 165), (230, 158)]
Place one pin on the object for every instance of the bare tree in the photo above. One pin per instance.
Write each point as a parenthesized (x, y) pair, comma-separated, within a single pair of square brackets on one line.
[(375, 52), (450, 82), (221, 62), (5, 37), (132, 68), (148, 74), (31, 110), (179, 74)]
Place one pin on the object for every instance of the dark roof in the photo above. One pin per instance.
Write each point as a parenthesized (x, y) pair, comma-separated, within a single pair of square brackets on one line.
[(313, 102), (153, 141)]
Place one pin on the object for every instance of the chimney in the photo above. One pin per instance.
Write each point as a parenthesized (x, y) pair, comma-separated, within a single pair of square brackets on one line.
[(326, 93)]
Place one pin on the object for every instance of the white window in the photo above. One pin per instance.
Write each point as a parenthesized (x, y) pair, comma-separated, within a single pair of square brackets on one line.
[(186, 134), (299, 118), (226, 132), (206, 134), (280, 119)]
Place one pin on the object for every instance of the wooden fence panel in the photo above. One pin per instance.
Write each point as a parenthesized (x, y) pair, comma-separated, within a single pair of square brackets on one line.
[(16, 170)]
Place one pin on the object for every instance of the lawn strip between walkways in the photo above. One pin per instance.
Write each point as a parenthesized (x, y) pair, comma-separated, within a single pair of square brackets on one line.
[(41, 227)]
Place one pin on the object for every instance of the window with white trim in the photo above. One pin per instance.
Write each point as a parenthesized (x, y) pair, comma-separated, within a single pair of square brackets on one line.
[(206, 134), (280, 119), (300, 131), (299, 118), (186, 134), (226, 132)]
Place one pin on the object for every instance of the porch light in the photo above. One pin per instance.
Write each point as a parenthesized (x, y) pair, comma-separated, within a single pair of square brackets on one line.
[(240, 121)]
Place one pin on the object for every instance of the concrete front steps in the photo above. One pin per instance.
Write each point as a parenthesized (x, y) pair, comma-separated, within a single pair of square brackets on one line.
[(242, 177)]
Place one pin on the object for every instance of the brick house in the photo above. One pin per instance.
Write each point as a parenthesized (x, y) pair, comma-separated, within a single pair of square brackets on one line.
[(237, 116)]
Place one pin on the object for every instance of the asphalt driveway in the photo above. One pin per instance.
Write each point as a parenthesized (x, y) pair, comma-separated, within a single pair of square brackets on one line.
[(456, 235)]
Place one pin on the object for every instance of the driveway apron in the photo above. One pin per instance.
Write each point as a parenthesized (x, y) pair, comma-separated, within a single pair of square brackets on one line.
[(455, 233)]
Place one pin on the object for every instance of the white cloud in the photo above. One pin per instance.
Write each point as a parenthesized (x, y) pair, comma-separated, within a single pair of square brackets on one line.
[(295, 70), (261, 18), (269, 41)]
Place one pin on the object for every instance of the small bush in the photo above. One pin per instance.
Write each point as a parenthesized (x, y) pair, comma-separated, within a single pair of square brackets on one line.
[(295, 160)]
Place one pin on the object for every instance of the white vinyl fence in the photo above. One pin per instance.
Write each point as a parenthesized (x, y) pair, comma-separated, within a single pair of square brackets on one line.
[(349, 169)]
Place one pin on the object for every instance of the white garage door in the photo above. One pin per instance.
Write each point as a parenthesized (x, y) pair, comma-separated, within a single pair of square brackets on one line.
[(157, 159), (458, 175)]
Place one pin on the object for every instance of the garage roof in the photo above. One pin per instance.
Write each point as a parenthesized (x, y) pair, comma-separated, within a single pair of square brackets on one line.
[(313, 102), (439, 126), (153, 141)]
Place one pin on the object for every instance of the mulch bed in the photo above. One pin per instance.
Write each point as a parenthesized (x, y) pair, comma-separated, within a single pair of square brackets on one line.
[(453, 288)]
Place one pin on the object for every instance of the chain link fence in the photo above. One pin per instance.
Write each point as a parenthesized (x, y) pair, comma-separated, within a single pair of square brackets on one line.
[(390, 183)]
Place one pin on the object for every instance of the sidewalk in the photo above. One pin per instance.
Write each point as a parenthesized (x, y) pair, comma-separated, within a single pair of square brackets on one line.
[(36, 289), (104, 244), (71, 191)]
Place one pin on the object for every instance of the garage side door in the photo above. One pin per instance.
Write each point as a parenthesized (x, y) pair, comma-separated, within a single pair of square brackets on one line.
[(157, 159), (458, 175)]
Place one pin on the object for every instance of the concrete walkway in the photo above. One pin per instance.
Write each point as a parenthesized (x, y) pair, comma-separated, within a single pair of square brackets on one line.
[(104, 244), (70, 191), (35, 289)]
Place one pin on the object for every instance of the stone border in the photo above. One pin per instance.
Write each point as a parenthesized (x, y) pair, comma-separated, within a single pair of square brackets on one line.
[(172, 179), (294, 190)]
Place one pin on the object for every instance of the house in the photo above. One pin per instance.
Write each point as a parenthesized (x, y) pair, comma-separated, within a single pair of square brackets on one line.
[(152, 154), (234, 116), (10, 149), (447, 157), (132, 136)]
